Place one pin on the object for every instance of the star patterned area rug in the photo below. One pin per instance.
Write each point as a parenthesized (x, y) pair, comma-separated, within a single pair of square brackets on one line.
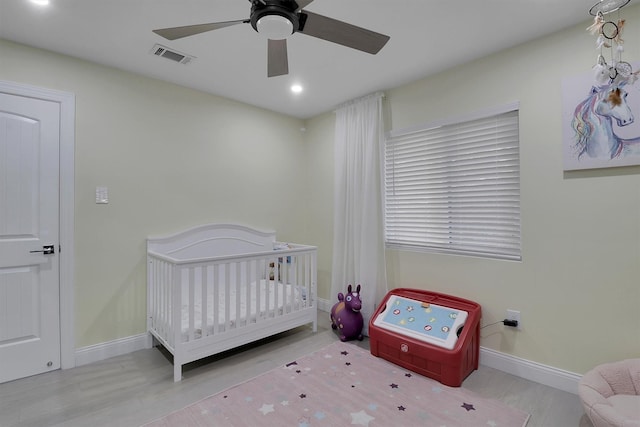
[(344, 385)]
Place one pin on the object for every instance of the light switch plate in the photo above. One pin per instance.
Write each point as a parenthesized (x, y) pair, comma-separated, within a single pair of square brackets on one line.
[(102, 195)]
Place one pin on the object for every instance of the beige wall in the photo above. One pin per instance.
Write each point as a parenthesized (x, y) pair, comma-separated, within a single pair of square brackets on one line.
[(172, 158), (578, 285), (319, 139)]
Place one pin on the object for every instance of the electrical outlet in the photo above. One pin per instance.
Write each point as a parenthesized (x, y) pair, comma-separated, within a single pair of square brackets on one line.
[(514, 315)]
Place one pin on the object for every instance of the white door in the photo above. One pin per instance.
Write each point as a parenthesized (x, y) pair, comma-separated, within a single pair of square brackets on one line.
[(29, 224)]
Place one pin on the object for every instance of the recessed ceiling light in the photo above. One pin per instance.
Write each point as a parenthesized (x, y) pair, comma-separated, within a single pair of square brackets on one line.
[(296, 88), (40, 2)]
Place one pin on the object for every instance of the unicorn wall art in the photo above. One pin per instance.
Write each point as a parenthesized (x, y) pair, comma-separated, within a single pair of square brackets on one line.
[(601, 125)]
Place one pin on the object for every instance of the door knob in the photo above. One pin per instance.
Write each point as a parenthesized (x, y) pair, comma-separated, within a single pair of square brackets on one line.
[(46, 250)]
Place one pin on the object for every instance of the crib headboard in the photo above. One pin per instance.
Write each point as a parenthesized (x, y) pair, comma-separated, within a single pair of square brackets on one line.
[(212, 240)]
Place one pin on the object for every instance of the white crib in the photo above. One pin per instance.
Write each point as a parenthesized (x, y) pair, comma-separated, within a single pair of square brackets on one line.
[(253, 286)]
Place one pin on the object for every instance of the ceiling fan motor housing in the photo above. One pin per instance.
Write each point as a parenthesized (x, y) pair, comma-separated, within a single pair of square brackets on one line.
[(267, 8)]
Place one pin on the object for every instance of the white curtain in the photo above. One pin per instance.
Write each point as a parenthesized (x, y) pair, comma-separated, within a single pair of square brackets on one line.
[(358, 238)]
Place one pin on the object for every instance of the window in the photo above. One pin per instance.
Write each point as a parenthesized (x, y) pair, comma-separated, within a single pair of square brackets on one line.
[(455, 187)]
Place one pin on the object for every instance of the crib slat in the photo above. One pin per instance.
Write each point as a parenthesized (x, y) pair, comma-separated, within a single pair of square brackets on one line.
[(308, 275), (301, 291), (292, 275), (151, 296), (276, 290), (167, 275), (305, 282), (296, 293), (175, 304), (268, 296), (284, 287), (246, 314), (311, 285), (161, 312), (257, 271), (293, 285), (256, 290), (165, 297), (204, 302), (291, 282), (216, 296), (235, 289), (227, 294), (191, 299), (299, 281), (157, 294), (157, 291)]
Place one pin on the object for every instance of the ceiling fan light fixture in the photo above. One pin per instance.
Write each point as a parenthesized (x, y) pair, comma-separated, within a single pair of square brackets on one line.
[(274, 27)]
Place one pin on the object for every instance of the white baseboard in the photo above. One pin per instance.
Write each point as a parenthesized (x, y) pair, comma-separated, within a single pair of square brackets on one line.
[(533, 371), (325, 305), (102, 351)]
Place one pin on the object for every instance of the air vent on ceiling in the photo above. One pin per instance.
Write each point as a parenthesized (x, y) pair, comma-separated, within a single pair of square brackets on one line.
[(171, 54)]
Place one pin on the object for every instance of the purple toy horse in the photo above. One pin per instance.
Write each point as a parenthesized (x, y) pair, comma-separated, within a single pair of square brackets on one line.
[(346, 316)]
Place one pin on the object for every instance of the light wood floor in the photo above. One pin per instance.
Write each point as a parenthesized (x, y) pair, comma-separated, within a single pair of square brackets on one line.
[(133, 389)]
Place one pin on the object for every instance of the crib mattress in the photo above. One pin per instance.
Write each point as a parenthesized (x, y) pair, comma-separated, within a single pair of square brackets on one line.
[(288, 296)]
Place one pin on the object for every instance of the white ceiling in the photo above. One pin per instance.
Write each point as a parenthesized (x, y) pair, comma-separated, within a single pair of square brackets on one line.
[(427, 36)]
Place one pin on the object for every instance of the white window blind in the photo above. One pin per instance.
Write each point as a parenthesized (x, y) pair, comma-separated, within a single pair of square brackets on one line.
[(455, 187)]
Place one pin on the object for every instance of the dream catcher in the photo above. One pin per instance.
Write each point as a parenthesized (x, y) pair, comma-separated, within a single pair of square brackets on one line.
[(609, 42)]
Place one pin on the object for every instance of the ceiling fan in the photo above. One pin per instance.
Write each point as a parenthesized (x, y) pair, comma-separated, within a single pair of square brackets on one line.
[(279, 19)]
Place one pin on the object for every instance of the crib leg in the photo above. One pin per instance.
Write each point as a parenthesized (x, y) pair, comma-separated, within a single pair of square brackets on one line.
[(177, 372)]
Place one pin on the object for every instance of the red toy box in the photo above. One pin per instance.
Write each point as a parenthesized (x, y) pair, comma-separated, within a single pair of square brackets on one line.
[(433, 334)]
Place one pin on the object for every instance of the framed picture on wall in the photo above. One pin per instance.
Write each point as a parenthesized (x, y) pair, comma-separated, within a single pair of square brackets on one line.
[(601, 121)]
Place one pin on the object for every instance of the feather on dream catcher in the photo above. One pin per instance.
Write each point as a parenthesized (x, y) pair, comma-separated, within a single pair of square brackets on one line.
[(609, 36)]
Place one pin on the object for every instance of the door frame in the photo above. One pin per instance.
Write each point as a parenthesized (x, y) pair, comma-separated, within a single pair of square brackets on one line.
[(66, 257)]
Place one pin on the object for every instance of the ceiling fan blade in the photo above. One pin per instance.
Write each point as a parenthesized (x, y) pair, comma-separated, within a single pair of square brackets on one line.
[(342, 33), (190, 30), (302, 4), (277, 61)]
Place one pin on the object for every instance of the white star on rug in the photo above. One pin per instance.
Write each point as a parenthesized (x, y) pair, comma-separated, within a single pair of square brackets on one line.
[(361, 418), (285, 403), (265, 409), (491, 423), (320, 415)]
